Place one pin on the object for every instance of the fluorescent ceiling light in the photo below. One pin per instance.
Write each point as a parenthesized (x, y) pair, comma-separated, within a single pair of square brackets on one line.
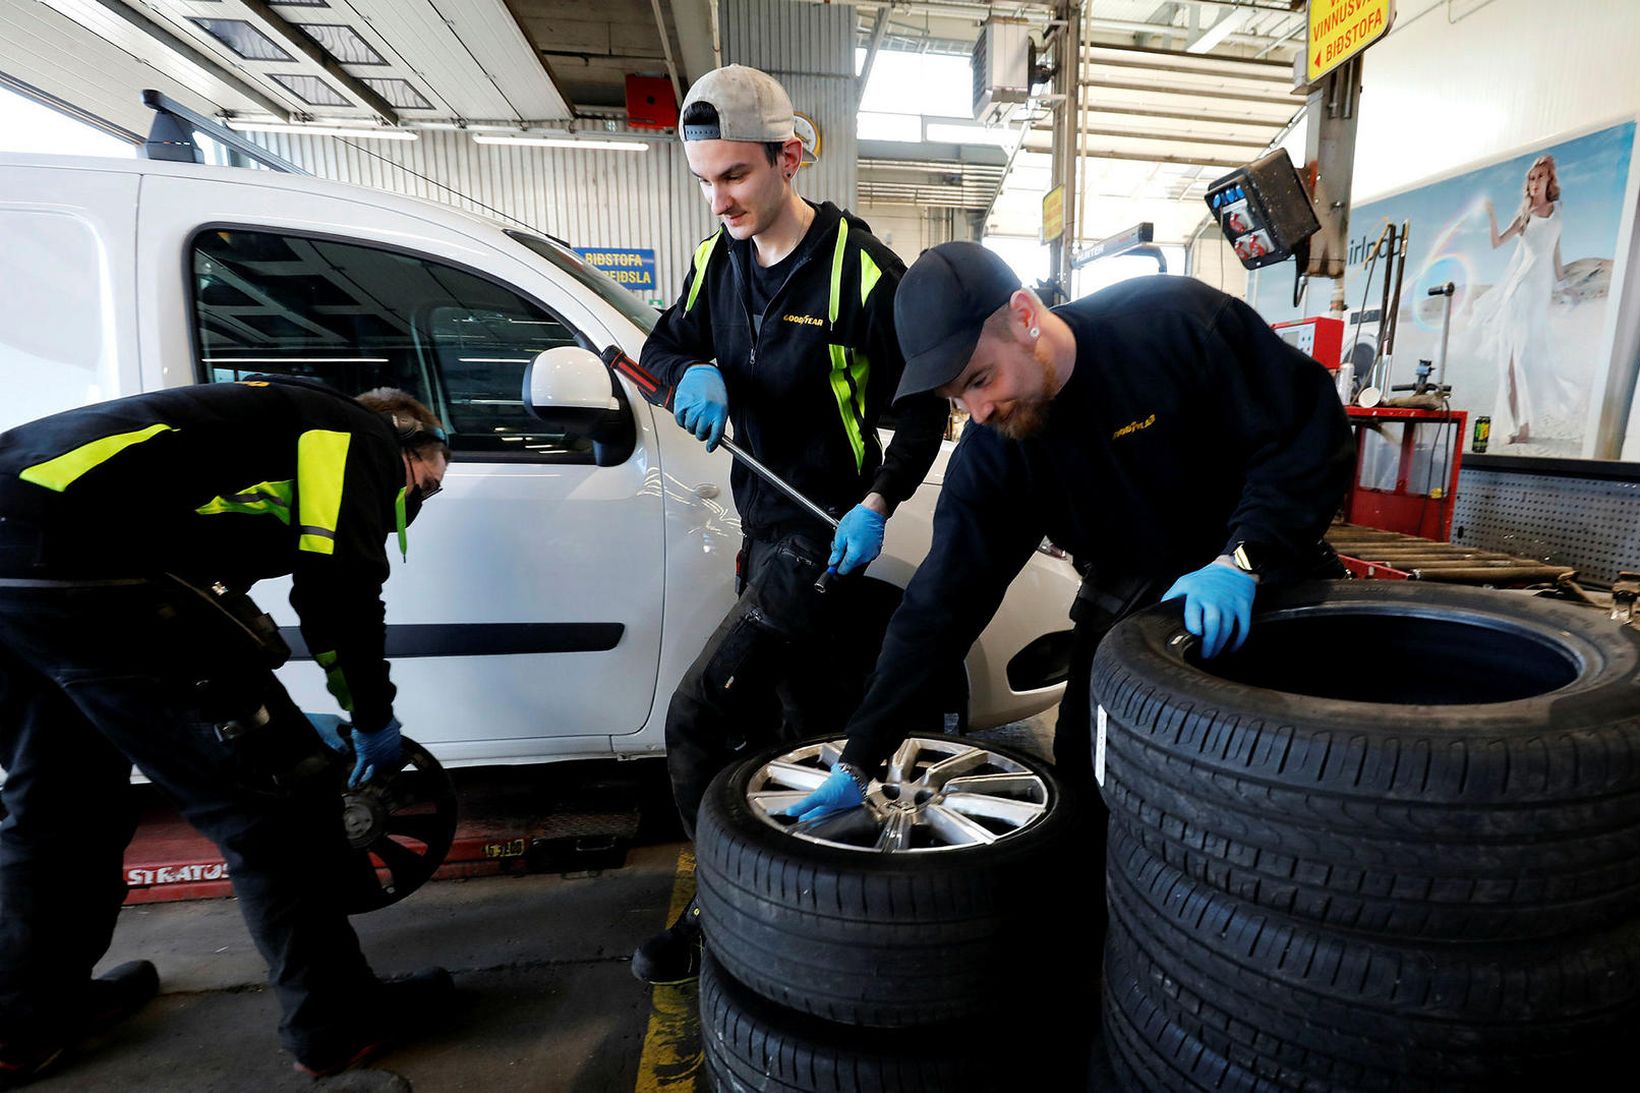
[(969, 134), (320, 130), (565, 142)]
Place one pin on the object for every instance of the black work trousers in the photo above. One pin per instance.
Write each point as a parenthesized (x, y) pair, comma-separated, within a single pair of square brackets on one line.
[(787, 662), (93, 678)]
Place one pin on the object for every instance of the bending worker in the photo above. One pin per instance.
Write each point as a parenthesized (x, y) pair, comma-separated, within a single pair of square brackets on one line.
[(115, 522), (1153, 429), (794, 303)]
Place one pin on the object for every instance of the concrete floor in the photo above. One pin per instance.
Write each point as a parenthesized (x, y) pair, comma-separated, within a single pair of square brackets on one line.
[(546, 1000)]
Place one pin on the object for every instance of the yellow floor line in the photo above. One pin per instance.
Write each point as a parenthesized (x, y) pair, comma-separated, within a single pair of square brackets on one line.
[(671, 1060)]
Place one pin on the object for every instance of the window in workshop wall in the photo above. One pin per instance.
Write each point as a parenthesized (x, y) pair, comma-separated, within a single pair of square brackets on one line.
[(358, 317), (28, 126)]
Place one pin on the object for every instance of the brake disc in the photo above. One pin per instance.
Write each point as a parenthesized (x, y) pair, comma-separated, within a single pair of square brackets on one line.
[(400, 828)]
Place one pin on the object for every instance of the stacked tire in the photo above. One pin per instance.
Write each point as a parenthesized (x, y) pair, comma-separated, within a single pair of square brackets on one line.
[(1391, 844), (836, 963)]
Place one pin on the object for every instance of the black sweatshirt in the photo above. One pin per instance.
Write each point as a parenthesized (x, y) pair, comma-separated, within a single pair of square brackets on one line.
[(807, 389), (1186, 427), (207, 482)]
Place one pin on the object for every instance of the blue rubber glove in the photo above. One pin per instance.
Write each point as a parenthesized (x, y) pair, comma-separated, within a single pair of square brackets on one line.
[(377, 752), (1218, 605), (701, 404), (859, 539), (838, 793)]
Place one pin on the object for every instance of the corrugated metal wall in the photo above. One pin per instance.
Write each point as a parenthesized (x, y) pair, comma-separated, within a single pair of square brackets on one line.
[(809, 48), (623, 199), (586, 198)]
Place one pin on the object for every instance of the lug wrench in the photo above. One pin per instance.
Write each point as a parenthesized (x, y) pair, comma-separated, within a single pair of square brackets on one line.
[(614, 358)]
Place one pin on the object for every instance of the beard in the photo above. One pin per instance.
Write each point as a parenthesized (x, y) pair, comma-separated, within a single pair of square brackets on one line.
[(1028, 417)]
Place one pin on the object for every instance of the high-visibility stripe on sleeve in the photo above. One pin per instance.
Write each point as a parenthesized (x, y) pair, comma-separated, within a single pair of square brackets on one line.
[(869, 273), (843, 387), (335, 680), (703, 255), (60, 473), (837, 270), (321, 462), (262, 499)]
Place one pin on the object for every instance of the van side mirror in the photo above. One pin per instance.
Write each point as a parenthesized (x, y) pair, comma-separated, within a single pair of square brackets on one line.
[(570, 390)]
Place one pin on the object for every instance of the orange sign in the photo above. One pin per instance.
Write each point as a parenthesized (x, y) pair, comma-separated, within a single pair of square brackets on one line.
[(1339, 29)]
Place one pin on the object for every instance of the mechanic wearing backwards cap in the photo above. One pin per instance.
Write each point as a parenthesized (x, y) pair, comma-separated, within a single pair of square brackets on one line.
[(1153, 429), (795, 304)]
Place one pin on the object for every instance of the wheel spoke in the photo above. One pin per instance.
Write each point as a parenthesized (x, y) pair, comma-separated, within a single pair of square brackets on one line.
[(961, 763), (793, 776), (954, 828), (774, 801), (830, 753), (905, 759), (997, 785), (406, 866), (897, 830), (1017, 813), (426, 827)]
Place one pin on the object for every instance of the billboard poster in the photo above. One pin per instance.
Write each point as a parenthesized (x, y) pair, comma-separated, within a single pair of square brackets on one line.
[(1534, 244)]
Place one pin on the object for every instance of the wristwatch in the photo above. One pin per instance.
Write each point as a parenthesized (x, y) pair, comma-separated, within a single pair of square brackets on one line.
[(1251, 558)]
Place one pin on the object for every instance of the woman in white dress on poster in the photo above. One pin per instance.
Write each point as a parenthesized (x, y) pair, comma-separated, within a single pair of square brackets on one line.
[(1517, 312)]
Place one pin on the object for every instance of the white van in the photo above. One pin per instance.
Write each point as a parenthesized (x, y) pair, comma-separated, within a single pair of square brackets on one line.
[(549, 604)]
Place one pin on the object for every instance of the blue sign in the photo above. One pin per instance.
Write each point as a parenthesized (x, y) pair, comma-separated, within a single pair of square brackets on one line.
[(633, 269)]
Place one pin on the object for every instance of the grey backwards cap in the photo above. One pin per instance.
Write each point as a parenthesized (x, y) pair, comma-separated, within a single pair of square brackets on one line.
[(750, 104)]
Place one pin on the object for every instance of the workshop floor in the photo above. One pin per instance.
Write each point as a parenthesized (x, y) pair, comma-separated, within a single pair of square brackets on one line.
[(546, 1000)]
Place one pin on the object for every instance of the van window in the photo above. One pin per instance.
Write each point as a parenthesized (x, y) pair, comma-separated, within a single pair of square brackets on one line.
[(359, 317)]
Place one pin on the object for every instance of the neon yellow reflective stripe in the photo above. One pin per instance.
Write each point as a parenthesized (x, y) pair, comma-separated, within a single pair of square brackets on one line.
[(321, 461), (398, 518), (703, 255), (262, 499), (335, 681), (837, 270), (60, 473), (845, 403), (869, 272)]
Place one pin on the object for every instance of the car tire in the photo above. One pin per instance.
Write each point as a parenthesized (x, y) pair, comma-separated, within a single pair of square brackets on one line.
[(754, 1046), (817, 921), (1322, 1008), (1398, 760)]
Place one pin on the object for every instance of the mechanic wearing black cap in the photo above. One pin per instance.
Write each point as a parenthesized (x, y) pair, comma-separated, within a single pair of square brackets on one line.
[(1155, 428), (794, 303)]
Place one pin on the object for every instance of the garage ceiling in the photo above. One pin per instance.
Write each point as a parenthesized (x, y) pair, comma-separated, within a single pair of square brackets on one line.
[(349, 62), (1173, 95)]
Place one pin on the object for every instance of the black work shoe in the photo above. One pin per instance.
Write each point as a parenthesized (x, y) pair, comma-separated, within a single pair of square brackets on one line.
[(408, 1008), (118, 993), (110, 999), (673, 955)]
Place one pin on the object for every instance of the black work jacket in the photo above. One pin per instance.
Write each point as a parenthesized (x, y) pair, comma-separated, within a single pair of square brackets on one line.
[(1186, 427), (808, 385), (228, 482)]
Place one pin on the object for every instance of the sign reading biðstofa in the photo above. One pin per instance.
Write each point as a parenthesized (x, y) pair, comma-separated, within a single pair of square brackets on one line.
[(1339, 29), (633, 269)]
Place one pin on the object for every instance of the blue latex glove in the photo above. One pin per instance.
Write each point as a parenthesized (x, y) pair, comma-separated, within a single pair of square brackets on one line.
[(859, 539), (701, 404), (377, 752), (1218, 606), (838, 793), (328, 726)]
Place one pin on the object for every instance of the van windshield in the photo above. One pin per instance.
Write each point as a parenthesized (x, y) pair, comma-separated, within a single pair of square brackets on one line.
[(642, 315)]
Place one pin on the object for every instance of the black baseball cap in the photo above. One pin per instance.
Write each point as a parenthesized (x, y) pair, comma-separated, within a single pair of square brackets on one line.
[(940, 307)]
